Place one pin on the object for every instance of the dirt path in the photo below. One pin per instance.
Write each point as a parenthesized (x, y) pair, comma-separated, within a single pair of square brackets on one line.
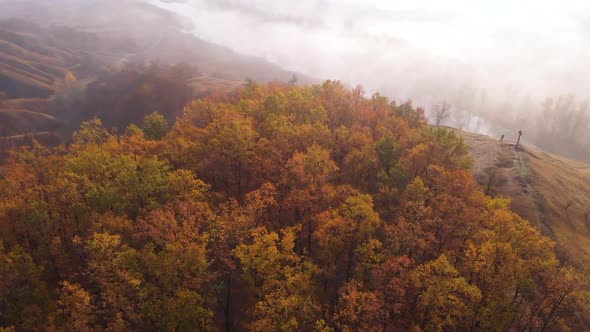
[(42, 115), (21, 136), (551, 192)]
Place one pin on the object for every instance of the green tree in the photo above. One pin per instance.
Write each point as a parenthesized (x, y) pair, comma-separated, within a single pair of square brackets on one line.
[(91, 132), (155, 126)]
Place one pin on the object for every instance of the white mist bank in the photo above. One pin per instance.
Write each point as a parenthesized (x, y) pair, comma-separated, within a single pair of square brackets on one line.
[(494, 62), (416, 51)]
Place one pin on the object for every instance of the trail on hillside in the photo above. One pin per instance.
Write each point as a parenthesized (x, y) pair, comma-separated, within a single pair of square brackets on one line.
[(27, 112), (552, 192)]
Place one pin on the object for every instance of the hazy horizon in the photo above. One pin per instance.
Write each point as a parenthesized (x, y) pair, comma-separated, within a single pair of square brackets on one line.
[(411, 50)]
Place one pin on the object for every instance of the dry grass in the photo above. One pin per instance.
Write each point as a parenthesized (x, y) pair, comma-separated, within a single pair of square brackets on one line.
[(552, 192), (28, 67), (204, 84)]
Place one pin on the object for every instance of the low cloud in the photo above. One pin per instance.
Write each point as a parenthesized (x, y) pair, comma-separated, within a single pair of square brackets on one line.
[(530, 46)]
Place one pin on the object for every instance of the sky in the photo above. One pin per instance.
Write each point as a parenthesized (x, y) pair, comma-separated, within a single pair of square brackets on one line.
[(411, 49)]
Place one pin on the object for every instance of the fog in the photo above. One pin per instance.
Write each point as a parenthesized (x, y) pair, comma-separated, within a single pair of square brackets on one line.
[(495, 62), (406, 48)]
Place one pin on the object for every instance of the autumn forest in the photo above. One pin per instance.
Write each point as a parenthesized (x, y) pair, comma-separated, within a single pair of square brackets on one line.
[(272, 208)]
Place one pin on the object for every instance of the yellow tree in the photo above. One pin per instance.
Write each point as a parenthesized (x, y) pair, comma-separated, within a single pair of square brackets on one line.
[(280, 281), (445, 300), (75, 309)]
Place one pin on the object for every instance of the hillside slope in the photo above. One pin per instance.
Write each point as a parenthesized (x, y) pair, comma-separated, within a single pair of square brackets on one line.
[(48, 62), (283, 209), (550, 191), (156, 35)]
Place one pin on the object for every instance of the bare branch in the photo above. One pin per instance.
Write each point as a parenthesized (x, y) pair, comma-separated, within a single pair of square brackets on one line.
[(441, 112)]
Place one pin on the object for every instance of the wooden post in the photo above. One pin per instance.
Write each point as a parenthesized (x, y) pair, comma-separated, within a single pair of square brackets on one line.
[(518, 141)]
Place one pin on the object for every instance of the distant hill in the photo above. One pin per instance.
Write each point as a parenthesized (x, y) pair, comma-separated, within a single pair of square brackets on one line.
[(550, 191), (155, 35), (29, 67), (36, 65), (48, 61)]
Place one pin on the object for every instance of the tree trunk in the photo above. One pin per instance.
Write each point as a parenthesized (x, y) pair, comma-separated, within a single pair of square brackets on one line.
[(227, 304)]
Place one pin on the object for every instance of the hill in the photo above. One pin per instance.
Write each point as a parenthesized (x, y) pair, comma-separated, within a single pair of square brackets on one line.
[(273, 208), (156, 35), (550, 191), (49, 58)]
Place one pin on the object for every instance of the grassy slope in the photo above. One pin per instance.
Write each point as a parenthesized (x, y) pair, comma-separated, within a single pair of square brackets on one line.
[(550, 191), (28, 66), (203, 84), (34, 61)]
